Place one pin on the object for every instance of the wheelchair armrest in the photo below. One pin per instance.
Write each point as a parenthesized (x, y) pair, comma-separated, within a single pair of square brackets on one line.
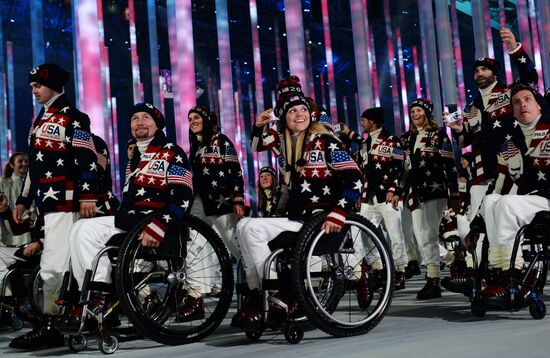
[(116, 239), (283, 240)]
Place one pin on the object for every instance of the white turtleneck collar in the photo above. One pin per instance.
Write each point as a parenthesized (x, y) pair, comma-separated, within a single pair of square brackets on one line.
[(486, 93), (51, 101), (142, 146), (374, 134), (529, 129)]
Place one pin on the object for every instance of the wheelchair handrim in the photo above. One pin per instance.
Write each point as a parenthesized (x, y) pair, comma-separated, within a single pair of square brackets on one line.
[(381, 307)]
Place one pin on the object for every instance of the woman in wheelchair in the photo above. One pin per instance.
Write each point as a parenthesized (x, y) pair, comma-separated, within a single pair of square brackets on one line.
[(524, 159), (320, 175)]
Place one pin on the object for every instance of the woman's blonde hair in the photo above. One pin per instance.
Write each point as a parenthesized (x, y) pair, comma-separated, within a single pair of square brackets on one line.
[(430, 124)]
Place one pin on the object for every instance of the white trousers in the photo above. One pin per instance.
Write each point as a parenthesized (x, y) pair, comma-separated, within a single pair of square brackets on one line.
[(6, 260), (414, 252), (253, 235), (504, 215), (426, 219), (383, 212), (54, 261), (88, 237)]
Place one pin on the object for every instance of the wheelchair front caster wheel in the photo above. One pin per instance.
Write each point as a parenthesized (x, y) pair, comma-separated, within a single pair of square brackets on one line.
[(108, 345), (294, 334), (253, 335), (537, 308), (78, 343), (477, 311)]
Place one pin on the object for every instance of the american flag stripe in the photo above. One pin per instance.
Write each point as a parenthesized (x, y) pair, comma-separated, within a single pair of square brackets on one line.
[(509, 150), (178, 175), (82, 139), (102, 160)]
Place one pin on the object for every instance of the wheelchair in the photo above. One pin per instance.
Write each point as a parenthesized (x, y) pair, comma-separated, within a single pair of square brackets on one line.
[(526, 286), (324, 269), (27, 294), (152, 285)]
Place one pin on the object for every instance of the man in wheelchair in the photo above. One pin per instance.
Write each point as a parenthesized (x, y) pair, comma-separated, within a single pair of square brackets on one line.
[(158, 179), (320, 176), (524, 160)]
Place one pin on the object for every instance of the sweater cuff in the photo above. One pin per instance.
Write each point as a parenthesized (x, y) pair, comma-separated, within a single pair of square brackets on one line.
[(516, 50), (156, 229), (337, 216)]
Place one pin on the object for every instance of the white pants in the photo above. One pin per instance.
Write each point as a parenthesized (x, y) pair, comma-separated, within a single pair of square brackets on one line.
[(414, 253), (379, 212), (426, 219), (504, 215), (6, 260), (88, 237), (253, 235), (54, 261)]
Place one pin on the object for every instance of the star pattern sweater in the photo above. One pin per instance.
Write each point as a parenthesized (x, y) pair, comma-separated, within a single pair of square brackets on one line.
[(487, 127), (158, 182), (107, 203), (430, 170), (62, 160), (329, 180), (217, 176), (381, 163), (527, 167)]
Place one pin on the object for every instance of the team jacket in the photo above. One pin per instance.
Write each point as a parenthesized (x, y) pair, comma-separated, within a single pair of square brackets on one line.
[(160, 182), (486, 128), (217, 176), (430, 172), (62, 160), (107, 203), (329, 179), (528, 168), (381, 163)]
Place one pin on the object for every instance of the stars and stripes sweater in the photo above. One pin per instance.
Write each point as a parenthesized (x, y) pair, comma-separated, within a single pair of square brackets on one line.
[(430, 170), (329, 180), (157, 182), (62, 160), (487, 127), (527, 167), (107, 203), (217, 176), (381, 163)]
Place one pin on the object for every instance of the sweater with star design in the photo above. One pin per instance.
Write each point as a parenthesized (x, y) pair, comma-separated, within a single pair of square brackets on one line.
[(62, 160), (158, 182), (429, 170), (381, 163), (217, 175), (106, 203), (486, 127), (329, 180)]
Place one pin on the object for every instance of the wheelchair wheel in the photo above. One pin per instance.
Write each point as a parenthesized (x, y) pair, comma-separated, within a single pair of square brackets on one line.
[(36, 293), (537, 308), (335, 308), (155, 290), (78, 343)]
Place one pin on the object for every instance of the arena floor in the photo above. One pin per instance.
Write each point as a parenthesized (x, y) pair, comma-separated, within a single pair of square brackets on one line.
[(441, 328)]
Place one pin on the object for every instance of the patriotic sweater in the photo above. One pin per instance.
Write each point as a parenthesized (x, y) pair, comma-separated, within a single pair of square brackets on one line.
[(430, 170), (487, 127), (62, 160), (381, 163), (329, 180), (157, 182), (528, 168), (107, 203), (217, 176)]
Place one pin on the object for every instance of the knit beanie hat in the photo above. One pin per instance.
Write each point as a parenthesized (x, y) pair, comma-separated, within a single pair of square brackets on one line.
[(289, 94), (321, 116), (488, 62), (375, 114), (158, 117), (49, 75), (425, 104), (269, 170)]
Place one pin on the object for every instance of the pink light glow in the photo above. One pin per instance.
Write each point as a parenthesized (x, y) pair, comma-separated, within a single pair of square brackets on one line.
[(87, 26), (133, 53), (507, 64), (180, 31), (115, 157), (461, 95), (416, 73), (488, 30), (536, 43), (404, 99), (373, 72), (296, 43), (393, 71), (257, 57), (330, 63)]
